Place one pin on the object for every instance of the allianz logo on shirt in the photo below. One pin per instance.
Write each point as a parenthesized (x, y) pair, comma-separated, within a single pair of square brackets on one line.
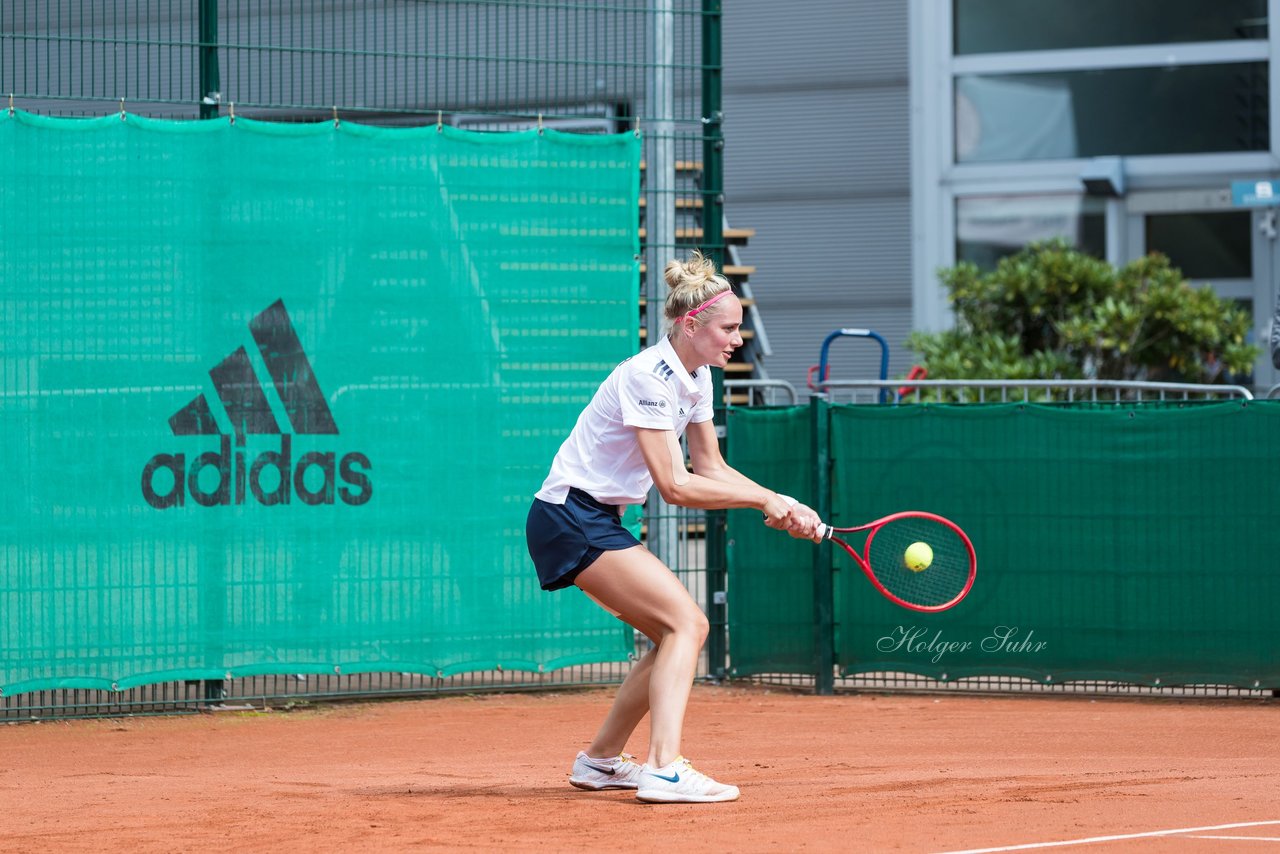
[(661, 404)]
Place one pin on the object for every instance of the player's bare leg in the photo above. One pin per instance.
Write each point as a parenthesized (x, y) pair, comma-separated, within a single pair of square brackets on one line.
[(643, 592), (629, 708)]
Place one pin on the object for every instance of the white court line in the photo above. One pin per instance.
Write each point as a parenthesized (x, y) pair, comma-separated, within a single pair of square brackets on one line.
[(1062, 844)]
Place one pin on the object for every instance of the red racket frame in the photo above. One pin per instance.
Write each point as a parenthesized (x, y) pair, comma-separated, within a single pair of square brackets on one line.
[(865, 565)]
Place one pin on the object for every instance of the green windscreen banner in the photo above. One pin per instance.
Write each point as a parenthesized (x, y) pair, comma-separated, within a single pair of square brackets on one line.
[(1134, 542), (771, 590), (275, 398)]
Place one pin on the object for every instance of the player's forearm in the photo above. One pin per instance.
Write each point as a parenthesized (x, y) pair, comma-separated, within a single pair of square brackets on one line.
[(707, 493), (726, 474)]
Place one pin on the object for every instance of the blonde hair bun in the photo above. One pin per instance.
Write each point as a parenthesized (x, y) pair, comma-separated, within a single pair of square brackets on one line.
[(692, 282), (697, 270)]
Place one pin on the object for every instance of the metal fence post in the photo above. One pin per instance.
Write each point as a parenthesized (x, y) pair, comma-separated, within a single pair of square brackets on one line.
[(824, 641), (210, 82), (713, 248), (712, 134)]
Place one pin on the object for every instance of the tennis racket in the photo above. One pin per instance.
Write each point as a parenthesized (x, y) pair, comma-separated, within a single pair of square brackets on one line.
[(933, 578)]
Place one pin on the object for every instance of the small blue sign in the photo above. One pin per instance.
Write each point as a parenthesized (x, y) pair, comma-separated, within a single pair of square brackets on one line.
[(1255, 194)]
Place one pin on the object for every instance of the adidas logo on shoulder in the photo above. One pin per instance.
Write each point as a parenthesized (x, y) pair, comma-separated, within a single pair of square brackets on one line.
[(314, 478)]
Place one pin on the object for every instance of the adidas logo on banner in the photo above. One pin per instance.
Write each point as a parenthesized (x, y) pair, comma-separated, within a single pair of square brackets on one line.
[(244, 400)]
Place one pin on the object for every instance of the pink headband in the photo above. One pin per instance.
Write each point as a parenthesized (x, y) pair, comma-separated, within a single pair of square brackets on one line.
[(708, 303)]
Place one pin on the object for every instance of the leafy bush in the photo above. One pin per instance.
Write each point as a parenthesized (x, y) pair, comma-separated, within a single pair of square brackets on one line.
[(1052, 312)]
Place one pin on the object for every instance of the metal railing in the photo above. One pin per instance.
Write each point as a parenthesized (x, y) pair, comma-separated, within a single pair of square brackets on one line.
[(764, 392), (1273, 392), (1025, 391), (756, 349)]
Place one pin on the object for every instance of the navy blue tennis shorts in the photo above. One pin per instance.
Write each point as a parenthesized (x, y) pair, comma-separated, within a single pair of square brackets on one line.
[(565, 539)]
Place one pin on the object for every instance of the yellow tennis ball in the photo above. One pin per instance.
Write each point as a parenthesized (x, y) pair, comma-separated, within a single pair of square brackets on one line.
[(918, 557)]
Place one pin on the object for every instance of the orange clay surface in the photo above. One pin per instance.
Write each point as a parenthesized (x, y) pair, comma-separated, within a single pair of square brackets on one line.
[(489, 773)]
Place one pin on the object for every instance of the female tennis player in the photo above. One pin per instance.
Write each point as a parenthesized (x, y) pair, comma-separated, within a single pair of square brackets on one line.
[(624, 442)]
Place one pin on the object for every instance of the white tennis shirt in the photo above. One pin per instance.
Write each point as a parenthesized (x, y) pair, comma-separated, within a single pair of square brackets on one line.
[(601, 456)]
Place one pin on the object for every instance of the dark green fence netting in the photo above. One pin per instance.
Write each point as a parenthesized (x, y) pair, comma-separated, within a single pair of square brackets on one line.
[(770, 587), (1133, 543), (275, 398)]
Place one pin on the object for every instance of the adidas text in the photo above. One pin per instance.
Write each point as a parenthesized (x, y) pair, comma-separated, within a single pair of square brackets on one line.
[(237, 477)]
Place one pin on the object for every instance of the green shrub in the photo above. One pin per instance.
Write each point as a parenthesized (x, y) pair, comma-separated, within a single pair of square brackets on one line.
[(1052, 312)]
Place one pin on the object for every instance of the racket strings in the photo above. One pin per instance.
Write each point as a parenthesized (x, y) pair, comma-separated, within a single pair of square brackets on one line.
[(940, 582)]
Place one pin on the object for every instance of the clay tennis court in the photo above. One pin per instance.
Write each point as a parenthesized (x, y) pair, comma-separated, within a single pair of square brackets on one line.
[(488, 772)]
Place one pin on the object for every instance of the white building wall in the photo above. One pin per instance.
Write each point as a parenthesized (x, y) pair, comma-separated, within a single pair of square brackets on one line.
[(817, 161)]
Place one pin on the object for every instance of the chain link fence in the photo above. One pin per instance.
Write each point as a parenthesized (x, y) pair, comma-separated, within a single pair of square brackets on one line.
[(588, 66)]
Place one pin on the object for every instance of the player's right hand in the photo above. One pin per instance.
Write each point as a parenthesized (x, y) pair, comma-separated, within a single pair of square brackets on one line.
[(777, 512)]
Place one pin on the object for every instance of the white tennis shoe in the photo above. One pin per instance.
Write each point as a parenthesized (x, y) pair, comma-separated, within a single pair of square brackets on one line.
[(617, 772), (681, 783)]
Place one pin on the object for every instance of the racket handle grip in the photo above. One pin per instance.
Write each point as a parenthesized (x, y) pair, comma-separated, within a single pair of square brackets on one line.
[(824, 531)]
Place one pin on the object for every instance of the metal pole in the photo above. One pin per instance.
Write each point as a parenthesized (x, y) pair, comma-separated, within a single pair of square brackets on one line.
[(210, 85), (713, 247), (213, 569), (663, 524), (823, 582), (712, 133)]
